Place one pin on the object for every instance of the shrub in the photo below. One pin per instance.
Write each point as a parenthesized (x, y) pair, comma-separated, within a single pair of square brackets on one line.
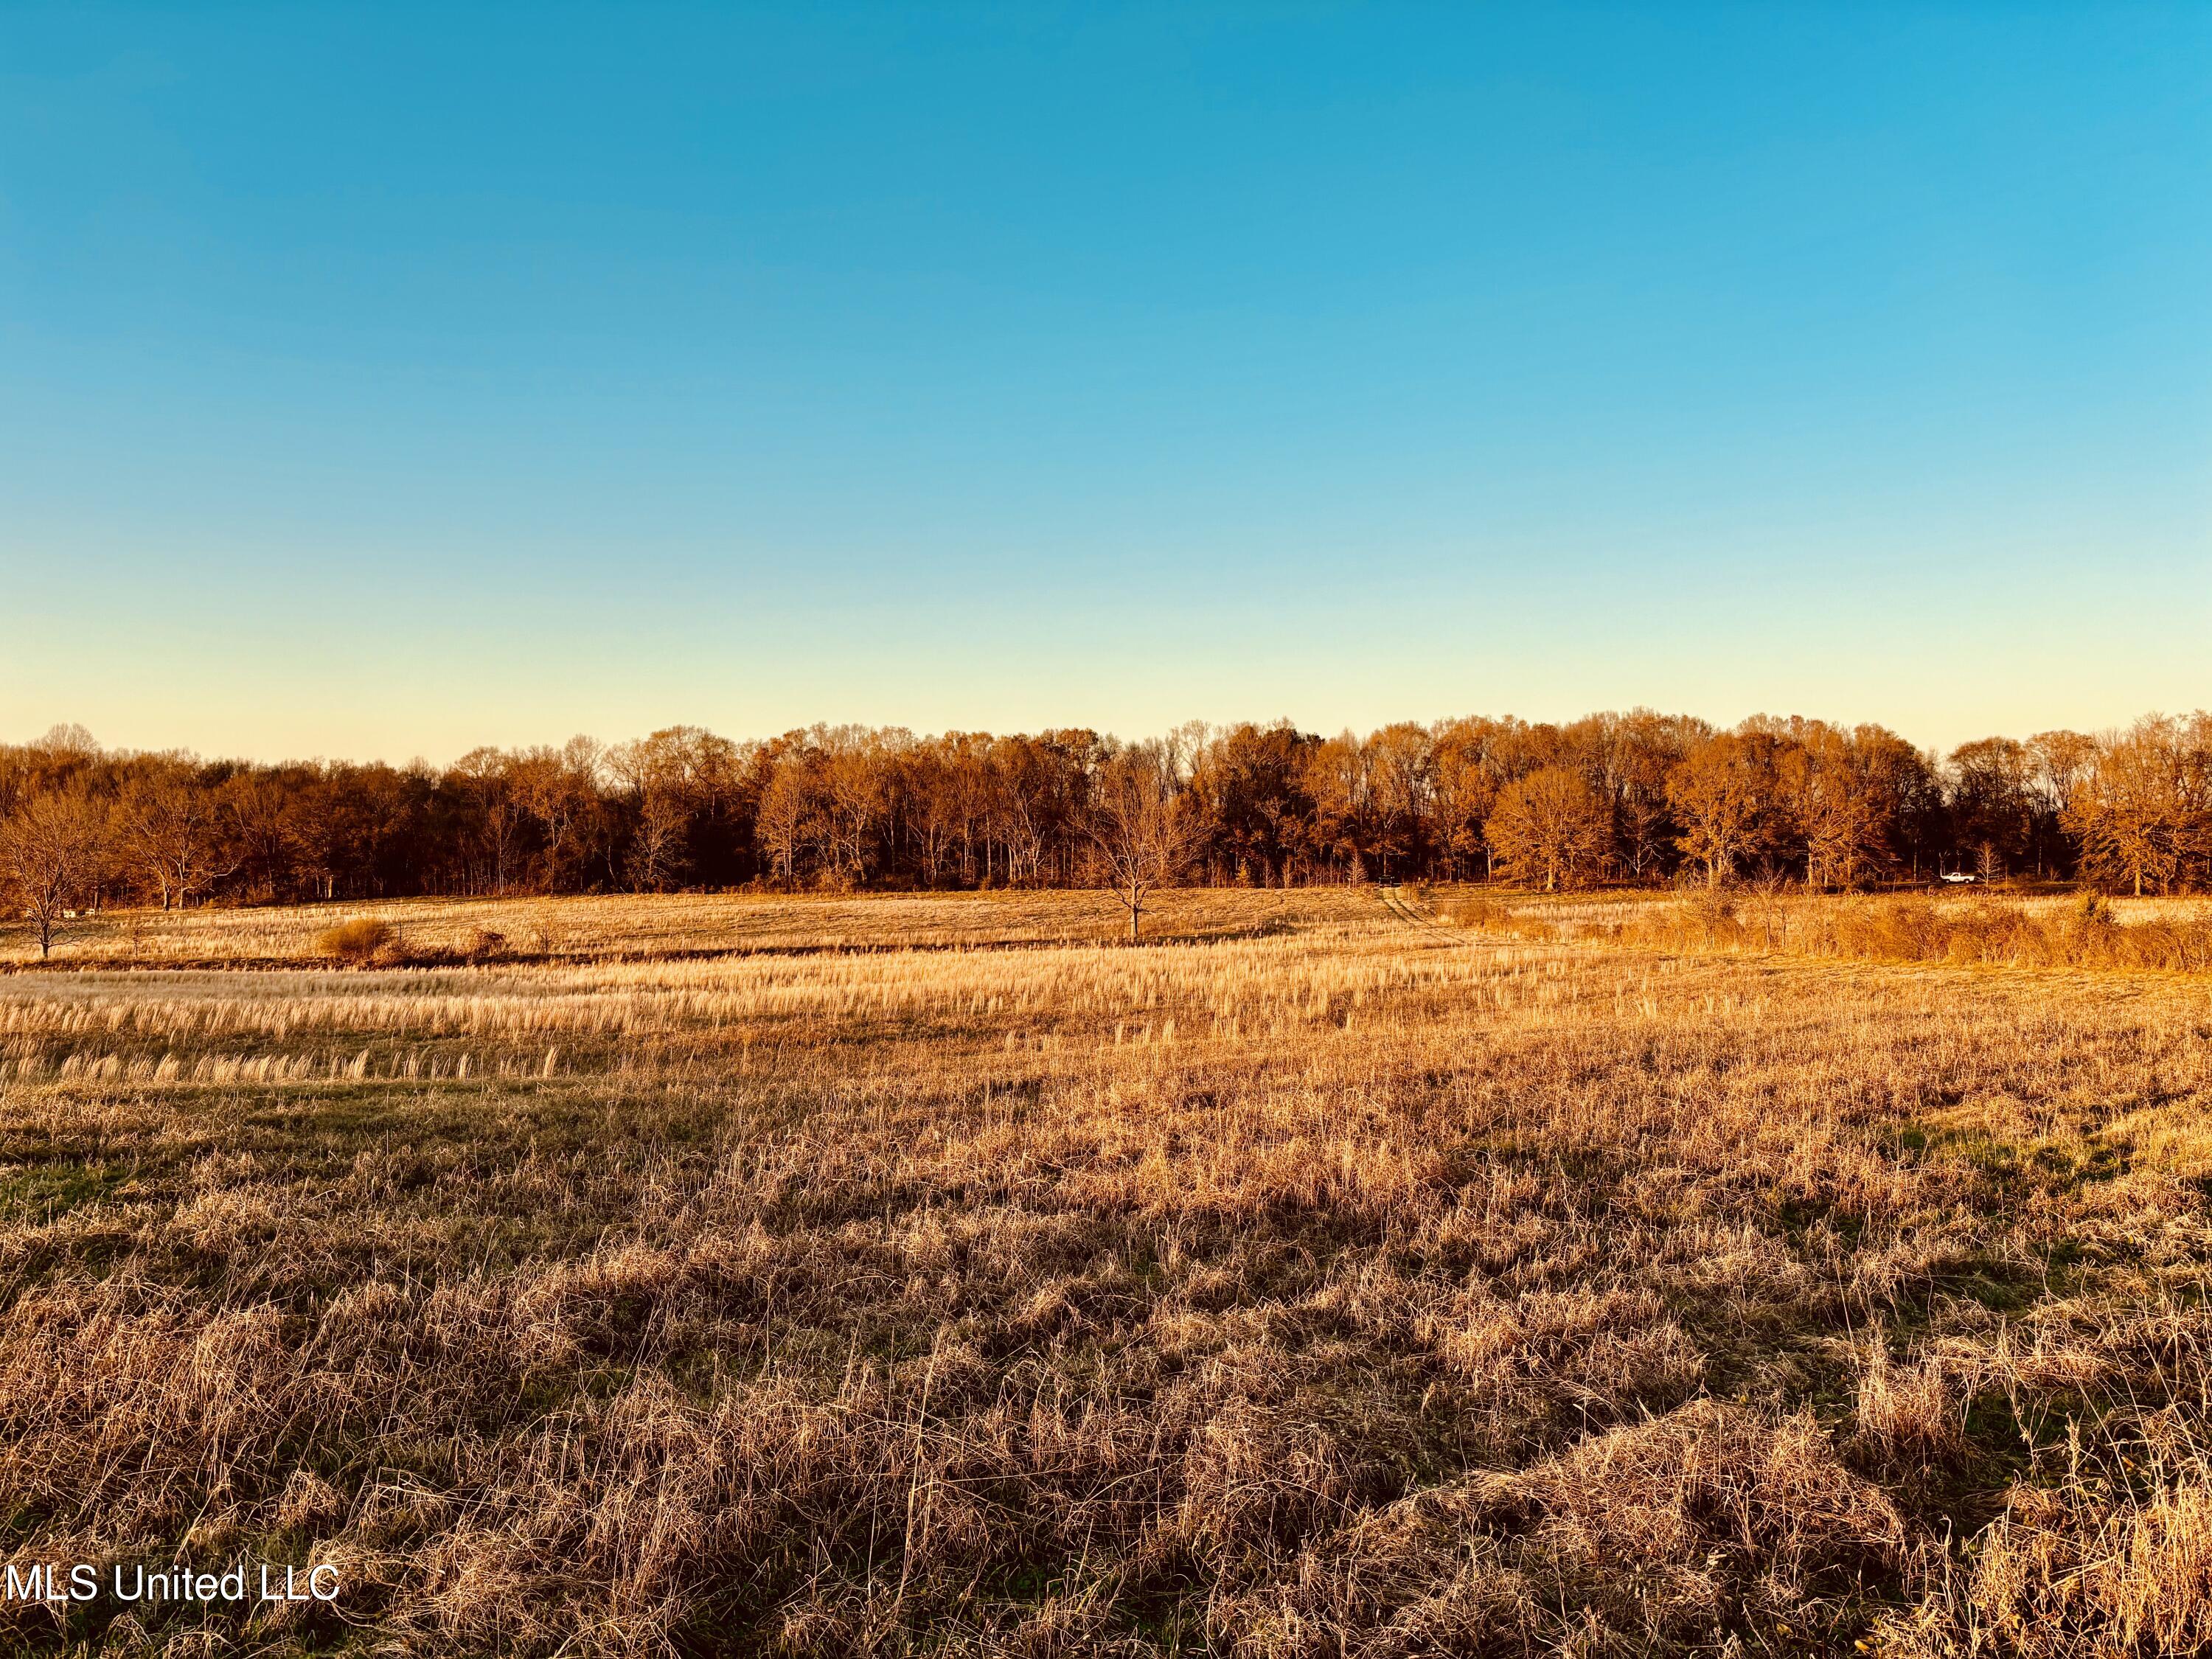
[(358, 940), (1477, 912)]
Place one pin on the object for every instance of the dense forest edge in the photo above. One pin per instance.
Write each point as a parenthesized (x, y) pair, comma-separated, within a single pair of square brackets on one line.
[(1636, 798)]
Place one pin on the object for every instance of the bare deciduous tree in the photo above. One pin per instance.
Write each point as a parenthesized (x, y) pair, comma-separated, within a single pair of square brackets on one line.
[(493, 820), (175, 833), (1550, 826), (2143, 808), (1720, 791), (1992, 800), (557, 788), (1839, 792), (788, 822), (1141, 836), (50, 853), (672, 776), (856, 798)]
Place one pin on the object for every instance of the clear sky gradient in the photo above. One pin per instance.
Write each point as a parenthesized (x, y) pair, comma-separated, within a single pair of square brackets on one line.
[(384, 380)]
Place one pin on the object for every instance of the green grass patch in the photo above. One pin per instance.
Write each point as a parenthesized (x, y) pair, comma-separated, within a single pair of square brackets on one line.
[(38, 1193)]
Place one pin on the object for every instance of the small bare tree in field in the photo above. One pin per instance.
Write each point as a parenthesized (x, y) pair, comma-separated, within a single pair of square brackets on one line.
[(49, 852), (1140, 835)]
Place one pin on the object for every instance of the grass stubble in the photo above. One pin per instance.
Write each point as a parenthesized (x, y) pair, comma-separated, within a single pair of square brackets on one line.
[(1314, 1283)]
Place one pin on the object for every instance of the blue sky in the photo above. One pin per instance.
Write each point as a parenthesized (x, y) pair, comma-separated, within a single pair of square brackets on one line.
[(383, 380)]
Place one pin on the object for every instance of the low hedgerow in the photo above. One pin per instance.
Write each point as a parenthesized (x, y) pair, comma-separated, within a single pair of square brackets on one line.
[(1907, 927)]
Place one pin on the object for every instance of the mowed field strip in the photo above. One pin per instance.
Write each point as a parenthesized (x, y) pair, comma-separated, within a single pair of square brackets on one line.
[(1312, 1280)]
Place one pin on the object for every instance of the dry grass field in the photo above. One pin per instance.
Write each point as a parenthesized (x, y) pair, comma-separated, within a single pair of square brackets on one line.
[(676, 925), (716, 1276)]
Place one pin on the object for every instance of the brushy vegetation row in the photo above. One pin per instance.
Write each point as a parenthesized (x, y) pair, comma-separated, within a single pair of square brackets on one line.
[(1358, 1289), (372, 941), (2081, 933)]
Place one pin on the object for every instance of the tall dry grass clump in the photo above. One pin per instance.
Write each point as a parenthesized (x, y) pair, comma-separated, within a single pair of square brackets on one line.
[(360, 940), (1910, 1416), (2104, 1543)]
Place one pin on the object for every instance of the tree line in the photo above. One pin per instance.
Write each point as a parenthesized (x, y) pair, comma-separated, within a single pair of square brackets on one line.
[(1634, 797)]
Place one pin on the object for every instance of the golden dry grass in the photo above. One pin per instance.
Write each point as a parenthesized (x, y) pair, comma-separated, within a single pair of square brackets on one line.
[(1991, 928), (1317, 1283), (659, 925)]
